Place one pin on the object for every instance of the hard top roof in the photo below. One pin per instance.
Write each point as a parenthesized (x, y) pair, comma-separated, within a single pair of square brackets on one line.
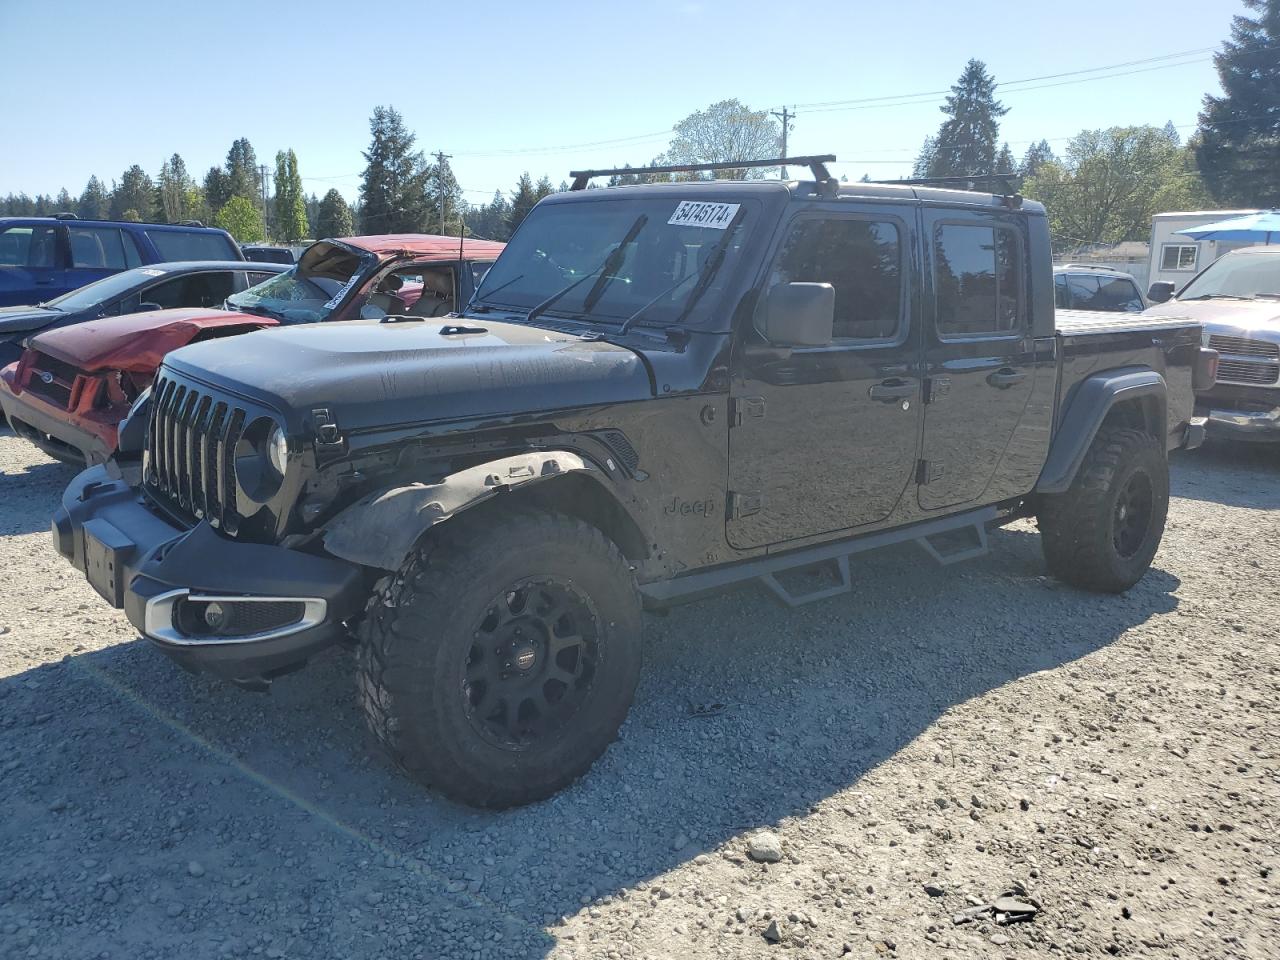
[(425, 245), (143, 224)]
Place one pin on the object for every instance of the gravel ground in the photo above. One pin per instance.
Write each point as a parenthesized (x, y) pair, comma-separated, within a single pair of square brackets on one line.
[(936, 739)]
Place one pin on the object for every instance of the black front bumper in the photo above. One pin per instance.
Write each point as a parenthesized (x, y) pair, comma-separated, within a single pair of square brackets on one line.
[(135, 559)]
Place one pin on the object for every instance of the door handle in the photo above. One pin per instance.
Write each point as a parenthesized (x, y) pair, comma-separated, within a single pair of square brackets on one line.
[(1006, 378), (891, 390)]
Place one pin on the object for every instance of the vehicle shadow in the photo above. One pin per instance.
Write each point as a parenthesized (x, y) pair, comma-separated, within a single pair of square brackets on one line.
[(25, 492), (122, 758), (1233, 474)]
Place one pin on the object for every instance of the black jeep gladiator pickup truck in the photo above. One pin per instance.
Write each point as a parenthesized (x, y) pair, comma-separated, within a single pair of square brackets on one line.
[(657, 391)]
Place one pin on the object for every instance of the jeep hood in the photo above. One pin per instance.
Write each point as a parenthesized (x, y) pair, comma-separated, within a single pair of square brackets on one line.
[(136, 342), (1257, 314), (373, 375), (15, 320)]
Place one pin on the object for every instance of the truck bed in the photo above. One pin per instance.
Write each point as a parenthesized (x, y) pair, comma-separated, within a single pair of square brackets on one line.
[(1073, 323)]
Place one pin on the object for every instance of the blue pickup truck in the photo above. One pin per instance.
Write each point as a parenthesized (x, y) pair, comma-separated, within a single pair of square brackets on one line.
[(45, 257)]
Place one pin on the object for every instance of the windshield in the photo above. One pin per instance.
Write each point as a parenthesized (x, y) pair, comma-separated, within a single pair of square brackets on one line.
[(311, 290), (1237, 275), (614, 259), (108, 288)]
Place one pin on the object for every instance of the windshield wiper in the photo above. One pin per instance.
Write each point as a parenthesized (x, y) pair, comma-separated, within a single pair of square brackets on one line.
[(1214, 296), (611, 263), (258, 310), (476, 304)]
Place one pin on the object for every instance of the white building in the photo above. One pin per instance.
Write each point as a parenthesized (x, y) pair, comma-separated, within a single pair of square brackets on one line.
[(1178, 258)]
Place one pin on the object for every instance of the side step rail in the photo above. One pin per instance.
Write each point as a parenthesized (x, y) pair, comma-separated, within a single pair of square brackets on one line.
[(972, 523)]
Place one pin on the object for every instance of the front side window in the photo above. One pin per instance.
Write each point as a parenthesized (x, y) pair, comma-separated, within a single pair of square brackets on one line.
[(31, 247), (862, 259), (175, 245), (977, 280), (657, 259), (1178, 256), (101, 248)]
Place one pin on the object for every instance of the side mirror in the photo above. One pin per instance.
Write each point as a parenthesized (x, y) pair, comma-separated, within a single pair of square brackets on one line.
[(1160, 292), (146, 307), (799, 314)]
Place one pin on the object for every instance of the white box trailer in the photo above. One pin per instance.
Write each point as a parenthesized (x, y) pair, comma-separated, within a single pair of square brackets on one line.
[(1178, 258)]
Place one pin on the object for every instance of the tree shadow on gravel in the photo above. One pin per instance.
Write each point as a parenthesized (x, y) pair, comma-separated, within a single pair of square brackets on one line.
[(1232, 474), (304, 835)]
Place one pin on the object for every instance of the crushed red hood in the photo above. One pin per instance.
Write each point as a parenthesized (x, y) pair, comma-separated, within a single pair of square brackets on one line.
[(426, 246), (136, 342)]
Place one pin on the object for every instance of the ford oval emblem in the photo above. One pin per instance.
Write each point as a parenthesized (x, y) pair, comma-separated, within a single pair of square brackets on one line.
[(46, 376)]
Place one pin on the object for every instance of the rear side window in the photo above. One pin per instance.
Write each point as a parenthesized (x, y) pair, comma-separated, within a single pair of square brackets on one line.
[(175, 245), (28, 247), (862, 259), (103, 248), (190, 290), (977, 280)]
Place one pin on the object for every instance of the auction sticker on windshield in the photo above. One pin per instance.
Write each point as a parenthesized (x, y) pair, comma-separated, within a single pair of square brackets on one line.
[(701, 213)]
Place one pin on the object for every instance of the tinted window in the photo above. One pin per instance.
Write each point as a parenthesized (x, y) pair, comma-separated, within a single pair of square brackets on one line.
[(103, 248), (190, 290), (861, 259), (1060, 296), (191, 245), (256, 278), (1082, 290), (27, 247), (977, 280)]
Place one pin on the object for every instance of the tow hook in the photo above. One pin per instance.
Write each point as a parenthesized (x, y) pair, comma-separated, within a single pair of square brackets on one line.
[(326, 430)]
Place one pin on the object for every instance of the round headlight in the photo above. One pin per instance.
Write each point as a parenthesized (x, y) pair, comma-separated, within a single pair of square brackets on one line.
[(278, 450)]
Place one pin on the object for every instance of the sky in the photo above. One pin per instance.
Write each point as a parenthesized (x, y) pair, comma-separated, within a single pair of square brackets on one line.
[(547, 87)]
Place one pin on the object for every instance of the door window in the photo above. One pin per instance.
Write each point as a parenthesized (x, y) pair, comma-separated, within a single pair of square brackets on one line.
[(192, 290), (862, 259), (28, 247), (977, 280), (102, 248)]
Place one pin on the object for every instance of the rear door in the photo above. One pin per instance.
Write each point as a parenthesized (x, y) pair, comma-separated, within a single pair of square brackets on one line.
[(98, 252), (980, 358), (824, 439)]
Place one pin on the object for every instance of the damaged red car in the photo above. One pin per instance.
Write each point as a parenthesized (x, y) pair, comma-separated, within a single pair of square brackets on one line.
[(73, 386)]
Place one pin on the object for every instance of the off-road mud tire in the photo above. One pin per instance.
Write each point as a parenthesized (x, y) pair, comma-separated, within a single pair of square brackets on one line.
[(417, 639), (1080, 528)]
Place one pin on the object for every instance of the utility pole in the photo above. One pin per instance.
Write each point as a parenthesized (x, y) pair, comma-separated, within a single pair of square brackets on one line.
[(441, 157), (786, 117), (262, 176)]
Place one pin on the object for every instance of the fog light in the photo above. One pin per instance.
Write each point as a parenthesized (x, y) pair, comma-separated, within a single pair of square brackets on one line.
[(216, 616)]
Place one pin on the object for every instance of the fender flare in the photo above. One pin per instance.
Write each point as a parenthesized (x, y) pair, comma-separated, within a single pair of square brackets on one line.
[(381, 528), (1093, 399)]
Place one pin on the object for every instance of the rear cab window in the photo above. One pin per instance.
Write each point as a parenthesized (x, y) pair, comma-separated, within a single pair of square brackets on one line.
[(177, 245)]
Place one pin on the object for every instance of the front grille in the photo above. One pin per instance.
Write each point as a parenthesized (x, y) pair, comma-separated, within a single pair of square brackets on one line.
[(191, 448), (1247, 371), (1244, 347), (52, 379)]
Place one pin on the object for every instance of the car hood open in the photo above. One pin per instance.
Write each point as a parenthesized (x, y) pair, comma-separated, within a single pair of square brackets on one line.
[(25, 319), (136, 342), (372, 375)]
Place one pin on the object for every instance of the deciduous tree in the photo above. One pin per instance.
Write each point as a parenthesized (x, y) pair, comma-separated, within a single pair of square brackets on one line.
[(241, 218), (290, 208), (724, 132)]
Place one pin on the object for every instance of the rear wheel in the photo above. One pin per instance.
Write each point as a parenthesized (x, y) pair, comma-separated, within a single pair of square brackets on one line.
[(499, 662), (1103, 533)]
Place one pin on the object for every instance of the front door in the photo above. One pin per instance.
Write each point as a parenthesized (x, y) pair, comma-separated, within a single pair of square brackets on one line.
[(824, 439), (980, 361)]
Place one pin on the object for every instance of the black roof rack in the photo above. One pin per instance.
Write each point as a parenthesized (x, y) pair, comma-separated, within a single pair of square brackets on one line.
[(64, 215), (817, 165), (1000, 184)]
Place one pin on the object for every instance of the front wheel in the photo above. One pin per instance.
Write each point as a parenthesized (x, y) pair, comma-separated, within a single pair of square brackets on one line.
[(1103, 533), (499, 662)]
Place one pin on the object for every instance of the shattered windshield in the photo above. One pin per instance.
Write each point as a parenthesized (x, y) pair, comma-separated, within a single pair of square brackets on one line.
[(311, 290), (651, 260), (1248, 276)]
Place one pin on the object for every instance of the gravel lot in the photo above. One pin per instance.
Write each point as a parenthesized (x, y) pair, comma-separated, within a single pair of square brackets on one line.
[(923, 745)]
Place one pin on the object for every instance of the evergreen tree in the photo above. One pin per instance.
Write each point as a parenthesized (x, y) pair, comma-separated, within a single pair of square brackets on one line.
[(966, 141), (1239, 142), (65, 203), (135, 195), (312, 203), (217, 189), (94, 203), (333, 219), (1036, 156), (243, 176), (393, 190), (444, 193), (1004, 161), (173, 190), (523, 200), (925, 159), (1171, 132), (290, 208), (489, 221)]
